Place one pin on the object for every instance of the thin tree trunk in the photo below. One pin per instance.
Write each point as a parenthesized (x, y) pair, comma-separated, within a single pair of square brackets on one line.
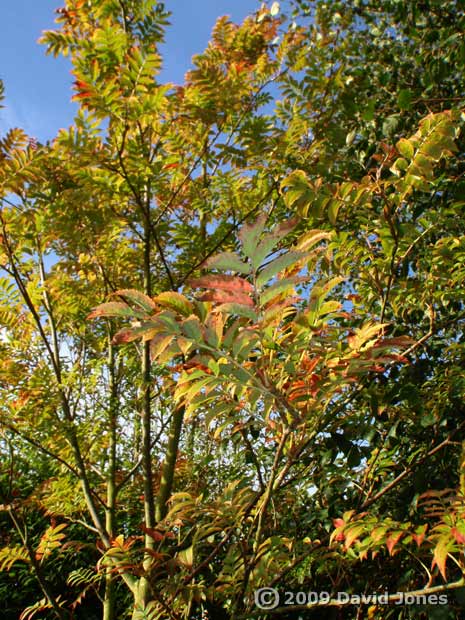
[(166, 484), (142, 596), (109, 601)]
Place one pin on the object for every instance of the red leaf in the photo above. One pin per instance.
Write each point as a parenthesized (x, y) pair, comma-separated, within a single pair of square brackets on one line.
[(145, 331), (80, 85), (392, 540), (419, 537), (234, 284), (339, 536), (459, 537), (113, 308), (225, 297), (85, 95), (397, 341), (124, 336), (309, 365), (155, 534)]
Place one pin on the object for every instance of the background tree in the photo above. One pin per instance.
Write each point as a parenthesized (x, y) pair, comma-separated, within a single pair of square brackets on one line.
[(300, 405)]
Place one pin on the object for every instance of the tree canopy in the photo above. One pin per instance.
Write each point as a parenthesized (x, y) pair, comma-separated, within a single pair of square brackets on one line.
[(232, 321)]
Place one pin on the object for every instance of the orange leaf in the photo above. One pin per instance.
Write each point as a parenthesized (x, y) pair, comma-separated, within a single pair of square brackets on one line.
[(419, 536), (155, 534), (392, 540), (459, 537), (440, 555), (353, 534), (224, 297), (124, 336), (234, 284), (309, 365), (118, 541)]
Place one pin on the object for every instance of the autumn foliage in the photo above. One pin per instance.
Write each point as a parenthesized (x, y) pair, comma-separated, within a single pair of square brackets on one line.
[(231, 319)]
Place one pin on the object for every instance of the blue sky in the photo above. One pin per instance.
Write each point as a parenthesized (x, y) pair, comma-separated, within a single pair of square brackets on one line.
[(38, 87)]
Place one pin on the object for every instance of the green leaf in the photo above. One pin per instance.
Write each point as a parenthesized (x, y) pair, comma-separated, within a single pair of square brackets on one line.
[(271, 240), (300, 192), (159, 344), (366, 334), (329, 307), (186, 557), (352, 533), (279, 288), (368, 113), (432, 149), (115, 309), (227, 261), (333, 210), (238, 309), (192, 328), (279, 264), (244, 343), (399, 165), (390, 125), (250, 234), (175, 301), (405, 148), (404, 99), (10, 555), (350, 137), (139, 299), (274, 9), (214, 366), (311, 238), (444, 546), (216, 410)]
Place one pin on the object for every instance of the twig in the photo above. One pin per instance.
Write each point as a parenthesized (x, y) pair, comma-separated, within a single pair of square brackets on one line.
[(410, 469)]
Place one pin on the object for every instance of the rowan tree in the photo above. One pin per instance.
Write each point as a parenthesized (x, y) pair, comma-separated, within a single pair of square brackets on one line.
[(232, 320)]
